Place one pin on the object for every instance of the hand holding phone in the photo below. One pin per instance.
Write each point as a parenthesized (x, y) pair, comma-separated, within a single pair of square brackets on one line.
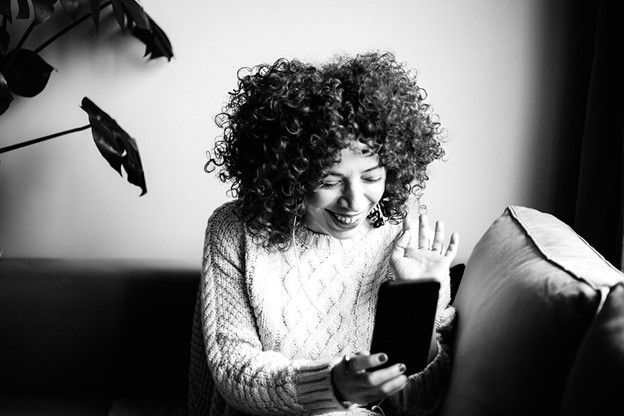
[(356, 382)]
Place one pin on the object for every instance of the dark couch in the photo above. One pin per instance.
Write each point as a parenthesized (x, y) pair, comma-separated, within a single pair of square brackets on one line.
[(539, 330), (97, 337), (94, 337)]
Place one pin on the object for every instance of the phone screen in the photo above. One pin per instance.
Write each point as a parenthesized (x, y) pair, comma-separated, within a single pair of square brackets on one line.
[(404, 322)]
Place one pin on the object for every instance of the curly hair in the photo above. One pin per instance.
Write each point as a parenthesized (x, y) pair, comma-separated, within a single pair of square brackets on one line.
[(286, 123)]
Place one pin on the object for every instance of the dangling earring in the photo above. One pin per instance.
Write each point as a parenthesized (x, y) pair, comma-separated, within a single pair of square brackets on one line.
[(294, 228), (376, 216), (293, 242)]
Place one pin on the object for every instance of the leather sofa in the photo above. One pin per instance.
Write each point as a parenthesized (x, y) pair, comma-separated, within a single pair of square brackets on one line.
[(540, 326), (94, 337)]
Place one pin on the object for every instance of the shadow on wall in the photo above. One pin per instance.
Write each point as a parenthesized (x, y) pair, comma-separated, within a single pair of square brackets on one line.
[(578, 26)]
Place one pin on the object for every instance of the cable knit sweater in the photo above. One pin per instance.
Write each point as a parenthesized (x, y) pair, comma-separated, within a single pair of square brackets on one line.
[(270, 325)]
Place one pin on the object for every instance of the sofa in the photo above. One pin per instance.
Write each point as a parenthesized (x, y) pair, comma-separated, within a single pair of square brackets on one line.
[(540, 326), (94, 337), (540, 329)]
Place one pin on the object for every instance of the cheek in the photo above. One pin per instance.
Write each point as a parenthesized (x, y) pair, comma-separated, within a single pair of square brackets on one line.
[(317, 201), (377, 191)]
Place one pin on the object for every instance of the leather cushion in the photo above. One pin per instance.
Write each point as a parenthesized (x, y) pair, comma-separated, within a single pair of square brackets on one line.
[(596, 379), (529, 292)]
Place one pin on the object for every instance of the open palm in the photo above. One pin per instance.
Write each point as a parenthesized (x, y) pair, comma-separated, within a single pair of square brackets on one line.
[(416, 255)]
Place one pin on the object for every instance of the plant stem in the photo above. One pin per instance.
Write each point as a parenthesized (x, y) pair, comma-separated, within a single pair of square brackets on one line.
[(31, 26), (68, 28), (29, 29), (41, 139)]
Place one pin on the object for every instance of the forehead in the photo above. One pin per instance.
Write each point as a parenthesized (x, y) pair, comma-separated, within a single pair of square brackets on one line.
[(356, 157)]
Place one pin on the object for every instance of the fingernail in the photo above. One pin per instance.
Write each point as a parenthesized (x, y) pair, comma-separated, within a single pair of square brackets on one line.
[(402, 368), (383, 358)]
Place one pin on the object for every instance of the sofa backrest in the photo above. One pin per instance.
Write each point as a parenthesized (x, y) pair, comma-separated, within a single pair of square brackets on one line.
[(530, 290), (90, 327)]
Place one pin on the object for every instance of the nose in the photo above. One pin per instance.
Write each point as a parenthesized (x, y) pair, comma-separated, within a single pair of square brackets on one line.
[(353, 197)]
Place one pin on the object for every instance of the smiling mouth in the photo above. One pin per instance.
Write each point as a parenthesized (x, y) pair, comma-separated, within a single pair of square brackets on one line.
[(345, 219)]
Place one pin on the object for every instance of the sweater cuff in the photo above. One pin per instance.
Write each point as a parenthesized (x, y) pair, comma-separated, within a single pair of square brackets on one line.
[(445, 319), (425, 390), (315, 391)]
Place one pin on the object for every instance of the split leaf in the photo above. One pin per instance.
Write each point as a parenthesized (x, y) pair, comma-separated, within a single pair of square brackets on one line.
[(144, 28), (5, 8), (23, 10), (95, 13), (115, 145), (27, 73), (135, 13), (156, 42), (118, 12)]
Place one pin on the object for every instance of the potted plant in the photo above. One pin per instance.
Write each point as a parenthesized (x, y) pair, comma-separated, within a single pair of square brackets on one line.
[(24, 73)]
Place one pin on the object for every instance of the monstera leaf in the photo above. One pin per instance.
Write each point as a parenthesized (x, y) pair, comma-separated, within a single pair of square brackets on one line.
[(156, 42), (117, 147), (129, 13), (25, 73), (23, 11)]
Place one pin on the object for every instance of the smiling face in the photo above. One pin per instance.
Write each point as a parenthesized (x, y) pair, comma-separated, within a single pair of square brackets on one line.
[(347, 194)]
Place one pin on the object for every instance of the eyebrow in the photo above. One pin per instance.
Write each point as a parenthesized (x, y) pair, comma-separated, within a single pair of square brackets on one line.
[(364, 171)]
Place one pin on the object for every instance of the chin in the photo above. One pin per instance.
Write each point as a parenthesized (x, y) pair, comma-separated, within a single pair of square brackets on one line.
[(343, 235)]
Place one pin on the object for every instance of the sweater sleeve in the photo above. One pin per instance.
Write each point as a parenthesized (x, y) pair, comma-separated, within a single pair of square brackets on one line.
[(249, 378)]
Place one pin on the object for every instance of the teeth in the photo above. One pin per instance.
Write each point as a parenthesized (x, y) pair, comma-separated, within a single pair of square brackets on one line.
[(343, 219)]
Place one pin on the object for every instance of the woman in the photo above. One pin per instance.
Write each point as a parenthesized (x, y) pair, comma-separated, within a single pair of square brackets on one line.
[(322, 163)]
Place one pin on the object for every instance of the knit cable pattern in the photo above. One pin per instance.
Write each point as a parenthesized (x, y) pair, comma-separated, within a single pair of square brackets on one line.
[(270, 325)]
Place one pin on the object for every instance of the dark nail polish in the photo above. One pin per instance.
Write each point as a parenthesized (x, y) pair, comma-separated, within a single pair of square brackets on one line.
[(383, 358), (402, 368)]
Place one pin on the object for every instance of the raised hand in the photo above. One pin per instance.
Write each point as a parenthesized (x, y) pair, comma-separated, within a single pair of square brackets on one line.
[(416, 255), (353, 383)]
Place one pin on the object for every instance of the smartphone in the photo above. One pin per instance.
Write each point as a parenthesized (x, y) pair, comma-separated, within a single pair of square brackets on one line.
[(404, 322)]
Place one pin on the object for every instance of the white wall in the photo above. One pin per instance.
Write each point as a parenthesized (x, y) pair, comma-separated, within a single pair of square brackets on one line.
[(482, 62)]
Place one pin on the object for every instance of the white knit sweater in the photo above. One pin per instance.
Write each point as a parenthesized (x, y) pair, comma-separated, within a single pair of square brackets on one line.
[(270, 325)]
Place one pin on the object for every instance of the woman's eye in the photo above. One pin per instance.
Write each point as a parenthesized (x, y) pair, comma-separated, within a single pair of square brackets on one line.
[(329, 184), (372, 180)]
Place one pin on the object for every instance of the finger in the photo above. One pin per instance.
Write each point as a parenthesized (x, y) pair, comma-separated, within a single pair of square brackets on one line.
[(393, 386), (408, 222), (410, 227), (400, 245), (379, 377), (438, 237), (365, 361), (451, 251), (423, 232)]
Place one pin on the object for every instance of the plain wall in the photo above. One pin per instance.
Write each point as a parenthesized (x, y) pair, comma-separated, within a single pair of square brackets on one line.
[(491, 68)]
